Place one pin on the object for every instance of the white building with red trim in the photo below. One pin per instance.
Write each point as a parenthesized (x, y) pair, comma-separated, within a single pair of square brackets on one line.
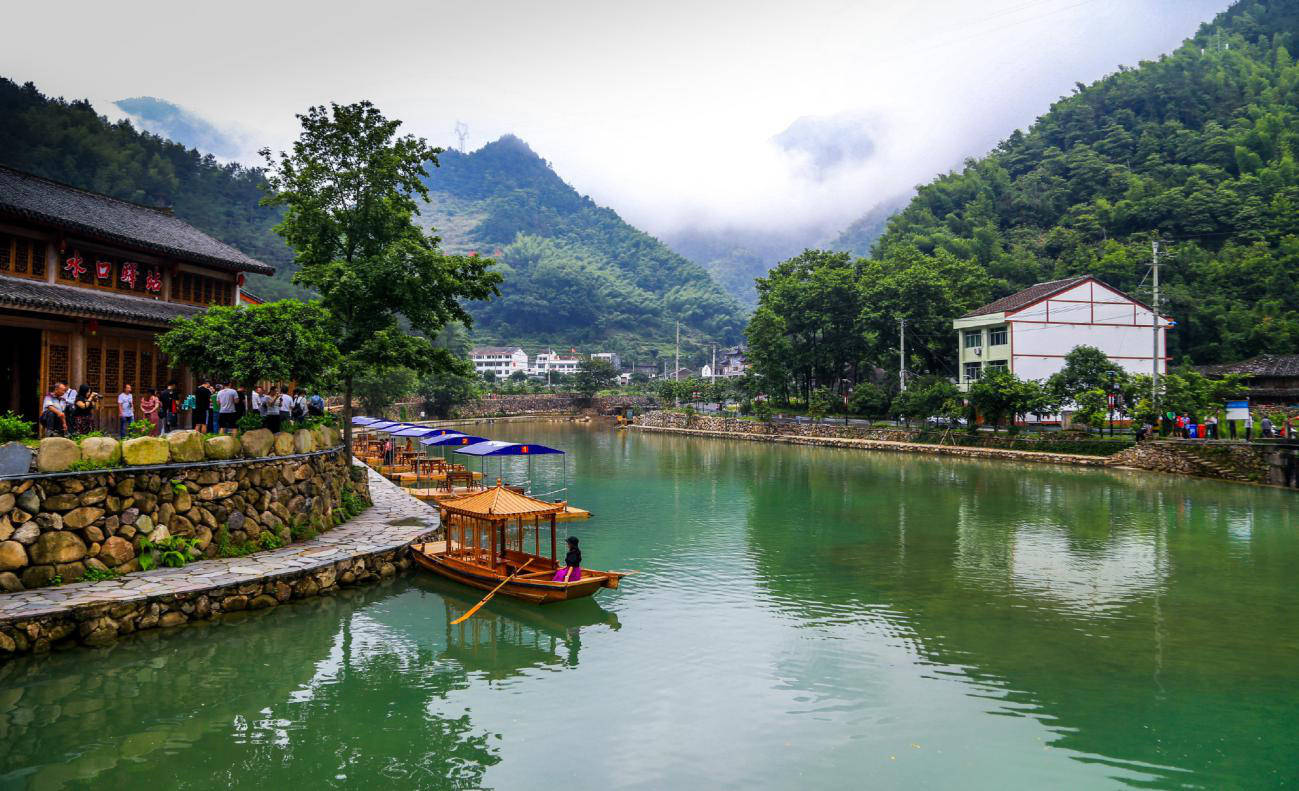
[(1030, 332)]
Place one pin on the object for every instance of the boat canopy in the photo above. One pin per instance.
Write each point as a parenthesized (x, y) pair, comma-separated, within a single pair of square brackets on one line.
[(362, 420), (500, 504), (413, 431), (452, 438), (381, 425), (498, 448)]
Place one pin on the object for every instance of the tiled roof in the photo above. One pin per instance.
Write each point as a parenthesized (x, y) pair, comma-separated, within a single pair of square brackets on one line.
[(1029, 295), (116, 221), (72, 301), (1278, 365), (499, 501)]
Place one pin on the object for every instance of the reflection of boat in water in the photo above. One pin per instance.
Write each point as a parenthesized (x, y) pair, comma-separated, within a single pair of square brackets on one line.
[(508, 637), (487, 546)]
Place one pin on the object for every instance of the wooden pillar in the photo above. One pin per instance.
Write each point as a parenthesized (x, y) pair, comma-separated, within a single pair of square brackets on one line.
[(552, 539)]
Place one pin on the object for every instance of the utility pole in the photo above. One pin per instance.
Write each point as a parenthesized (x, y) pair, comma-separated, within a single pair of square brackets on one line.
[(676, 371), (1154, 327), (902, 354), (713, 377)]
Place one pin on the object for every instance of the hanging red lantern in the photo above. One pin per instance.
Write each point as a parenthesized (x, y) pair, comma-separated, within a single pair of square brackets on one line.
[(240, 279), (93, 326)]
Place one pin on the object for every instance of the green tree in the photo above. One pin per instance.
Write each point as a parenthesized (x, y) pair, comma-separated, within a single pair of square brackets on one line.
[(821, 402), (594, 375), (1000, 395), (379, 388), (869, 400), (276, 341), (926, 397), (348, 189), (1085, 368)]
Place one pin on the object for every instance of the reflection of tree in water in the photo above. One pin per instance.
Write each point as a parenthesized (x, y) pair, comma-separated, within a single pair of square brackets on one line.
[(1147, 620), (319, 692)]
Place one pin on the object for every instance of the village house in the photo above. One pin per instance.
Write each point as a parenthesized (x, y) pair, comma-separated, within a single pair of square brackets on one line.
[(1270, 379), (732, 362), (87, 282), (1030, 332), (499, 360), (554, 362)]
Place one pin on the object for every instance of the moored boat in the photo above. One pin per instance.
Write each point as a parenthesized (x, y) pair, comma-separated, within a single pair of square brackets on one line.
[(487, 543)]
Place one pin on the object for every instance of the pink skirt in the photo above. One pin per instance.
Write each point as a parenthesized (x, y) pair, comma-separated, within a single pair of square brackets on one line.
[(568, 574)]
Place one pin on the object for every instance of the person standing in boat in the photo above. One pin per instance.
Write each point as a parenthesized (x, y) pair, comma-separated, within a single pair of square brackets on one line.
[(572, 570)]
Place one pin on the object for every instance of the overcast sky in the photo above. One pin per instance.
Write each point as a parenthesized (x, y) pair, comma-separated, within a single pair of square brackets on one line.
[(677, 113)]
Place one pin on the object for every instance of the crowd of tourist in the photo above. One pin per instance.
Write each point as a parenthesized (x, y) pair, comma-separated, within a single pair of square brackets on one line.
[(213, 407)]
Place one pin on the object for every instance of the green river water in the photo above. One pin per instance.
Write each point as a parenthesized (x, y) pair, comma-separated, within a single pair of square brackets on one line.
[(804, 618)]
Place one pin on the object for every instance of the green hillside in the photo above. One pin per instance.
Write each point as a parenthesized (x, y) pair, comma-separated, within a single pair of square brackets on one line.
[(575, 272), (1198, 147)]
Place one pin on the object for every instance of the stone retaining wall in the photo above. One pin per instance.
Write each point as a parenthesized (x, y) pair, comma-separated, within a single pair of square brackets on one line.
[(735, 426), (1228, 461), (369, 547), (550, 404), (55, 527), (874, 444)]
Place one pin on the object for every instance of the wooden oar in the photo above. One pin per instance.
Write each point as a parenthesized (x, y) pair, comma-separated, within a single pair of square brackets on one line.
[(488, 597)]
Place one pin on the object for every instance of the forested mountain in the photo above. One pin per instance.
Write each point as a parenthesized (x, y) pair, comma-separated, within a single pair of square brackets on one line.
[(575, 272), (71, 143), (1197, 148), (860, 236), (177, 124)]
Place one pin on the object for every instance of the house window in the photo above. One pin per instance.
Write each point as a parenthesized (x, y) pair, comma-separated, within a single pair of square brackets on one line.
[(22, 256), (973, 339), (996, 365), (973, 371), (997, 336)]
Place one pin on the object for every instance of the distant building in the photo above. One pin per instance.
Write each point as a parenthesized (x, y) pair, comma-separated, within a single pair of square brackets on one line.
[(499, 360), (1270, 378), (706, 372), (554, 362), (612, 357), (1030, 332), (734, 362)]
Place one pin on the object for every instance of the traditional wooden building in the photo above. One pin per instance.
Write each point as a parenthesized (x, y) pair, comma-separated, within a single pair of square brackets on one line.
[(1270, 379), (88, 281)]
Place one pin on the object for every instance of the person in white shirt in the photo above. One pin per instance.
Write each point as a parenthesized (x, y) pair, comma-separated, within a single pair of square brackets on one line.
[(258, 401), (271, 410), (54, 410), (125, 409), (286, 405), (227, 399)]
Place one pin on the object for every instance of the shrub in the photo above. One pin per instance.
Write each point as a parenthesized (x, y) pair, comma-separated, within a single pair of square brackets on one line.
[(172, 551), (269, 539), (95, 575), (13, 427), (138, 428), (250, 422)]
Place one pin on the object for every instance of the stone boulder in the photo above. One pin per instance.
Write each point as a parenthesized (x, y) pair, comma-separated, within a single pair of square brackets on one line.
[(15, 459), (116, 551), (81, 517), (218, 491), (222, 446), (186, 446), (104, 450), (57, 547), (303, 441), (56, 454), (12, 555), (283, 443), (145, 450), (332, 436), (318, 434), (257, 442)]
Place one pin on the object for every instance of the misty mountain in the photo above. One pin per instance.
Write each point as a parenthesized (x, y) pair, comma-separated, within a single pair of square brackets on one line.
[(575, 272), (175, 123), (862, 233)]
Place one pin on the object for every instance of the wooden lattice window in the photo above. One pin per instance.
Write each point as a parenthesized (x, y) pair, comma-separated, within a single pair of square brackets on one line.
[(129, 368), (22, 256), (147, 372), (202, 290), (58, 366), (94, 368), (112, 371)]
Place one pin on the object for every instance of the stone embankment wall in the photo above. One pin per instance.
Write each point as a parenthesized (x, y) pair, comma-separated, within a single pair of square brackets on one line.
[(551, 404), (828, 436), (56, 527), (1254, 463), (736, 426)]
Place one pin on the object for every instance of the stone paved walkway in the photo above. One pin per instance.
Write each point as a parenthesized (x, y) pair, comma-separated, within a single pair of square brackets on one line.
[(395, 520)]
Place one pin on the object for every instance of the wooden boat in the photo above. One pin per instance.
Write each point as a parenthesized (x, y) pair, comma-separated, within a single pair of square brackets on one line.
[(487, 541)]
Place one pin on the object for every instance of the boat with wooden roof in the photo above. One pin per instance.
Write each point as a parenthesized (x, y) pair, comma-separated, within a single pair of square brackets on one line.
[(487, 545)]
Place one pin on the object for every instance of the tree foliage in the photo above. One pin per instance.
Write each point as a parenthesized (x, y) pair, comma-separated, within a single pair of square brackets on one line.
[(347, 190), (379, 388), (594, 375), (276, 341)]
